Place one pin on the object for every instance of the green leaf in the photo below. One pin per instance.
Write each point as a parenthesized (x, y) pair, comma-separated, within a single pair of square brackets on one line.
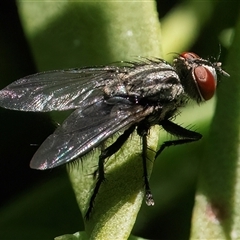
[(75, 236), (217, 209), (83, 236)]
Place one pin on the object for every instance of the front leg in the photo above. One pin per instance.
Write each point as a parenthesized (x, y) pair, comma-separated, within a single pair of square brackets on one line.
[(184, 134)]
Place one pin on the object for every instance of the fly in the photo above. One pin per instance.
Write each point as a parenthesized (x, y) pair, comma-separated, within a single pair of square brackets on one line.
[(108, 99)]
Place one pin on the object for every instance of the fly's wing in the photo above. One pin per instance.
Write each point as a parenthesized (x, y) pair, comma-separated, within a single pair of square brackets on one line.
[(84, 130), (56, 90)]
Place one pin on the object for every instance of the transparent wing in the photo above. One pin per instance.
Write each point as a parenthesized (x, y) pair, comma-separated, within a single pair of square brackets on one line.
[(84, 130), (56, 90)]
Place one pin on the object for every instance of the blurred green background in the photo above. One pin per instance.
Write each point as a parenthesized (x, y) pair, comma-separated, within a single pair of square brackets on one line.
[(40, 35)]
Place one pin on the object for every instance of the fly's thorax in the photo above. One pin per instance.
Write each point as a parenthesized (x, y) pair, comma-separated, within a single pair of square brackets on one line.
[(157, 87), (157, 81), (115, 86)]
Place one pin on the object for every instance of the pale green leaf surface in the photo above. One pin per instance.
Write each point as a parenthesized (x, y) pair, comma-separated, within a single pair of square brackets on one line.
[(217, 209), (83, 236)]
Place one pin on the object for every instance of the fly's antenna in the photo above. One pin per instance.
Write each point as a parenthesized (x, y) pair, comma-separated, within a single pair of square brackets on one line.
[(219, 53)]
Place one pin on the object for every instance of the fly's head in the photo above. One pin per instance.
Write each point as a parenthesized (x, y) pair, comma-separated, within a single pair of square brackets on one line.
[(198, 76)]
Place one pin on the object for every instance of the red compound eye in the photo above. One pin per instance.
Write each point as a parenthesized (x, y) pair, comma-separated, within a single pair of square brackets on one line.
[(189, 55), (206, 81)]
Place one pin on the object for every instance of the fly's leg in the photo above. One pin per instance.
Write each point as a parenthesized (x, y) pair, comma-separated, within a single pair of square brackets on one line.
[(148, 193), (142, 131), (186, 135), (108, 152)]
